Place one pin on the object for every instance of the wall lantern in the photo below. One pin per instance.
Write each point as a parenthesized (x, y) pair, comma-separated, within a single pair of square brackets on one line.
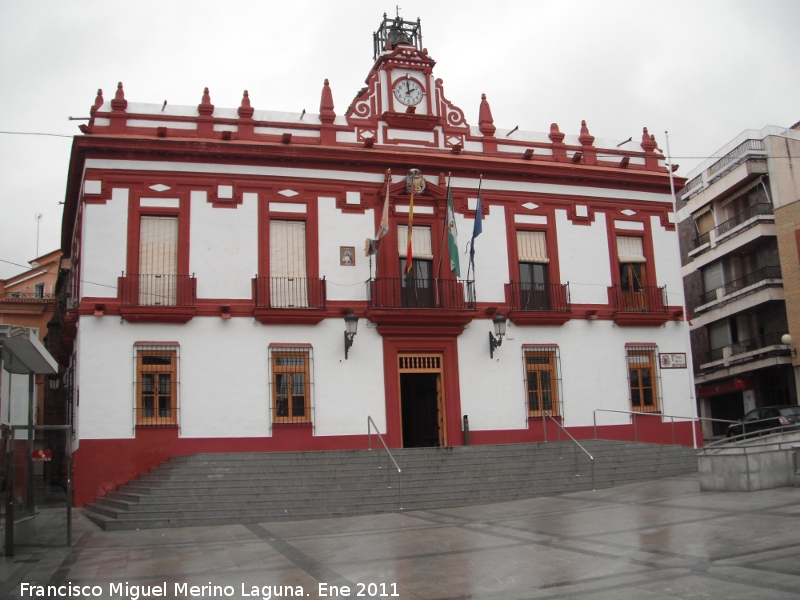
[(499, 323), (55, 381), (786, 340), (350, 329)]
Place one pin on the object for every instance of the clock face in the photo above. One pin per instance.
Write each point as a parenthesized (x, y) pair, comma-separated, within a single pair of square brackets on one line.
[(408, 91)]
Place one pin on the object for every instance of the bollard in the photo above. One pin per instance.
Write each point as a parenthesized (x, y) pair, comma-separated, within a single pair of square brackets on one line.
[(466, 430)]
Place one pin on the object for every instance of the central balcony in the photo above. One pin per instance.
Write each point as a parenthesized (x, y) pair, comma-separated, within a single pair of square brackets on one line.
[(157, 298), (538, 303), (430, 302)]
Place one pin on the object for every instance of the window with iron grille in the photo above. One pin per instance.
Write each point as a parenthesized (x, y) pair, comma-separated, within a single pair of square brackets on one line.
[(643, 378), (542, 380), (291, 383), (156, 385)]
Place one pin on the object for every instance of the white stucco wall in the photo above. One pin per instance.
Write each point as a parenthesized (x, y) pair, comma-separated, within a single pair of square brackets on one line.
[(593, 372), (584, 259), (491, 254), (343, 229), (223, 248), (668, 266), (224, 376), (105, 229)]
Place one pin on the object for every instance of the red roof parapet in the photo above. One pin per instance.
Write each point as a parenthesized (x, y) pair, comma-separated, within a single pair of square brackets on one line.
[(205, 122), (326, 115), (649, 146), (587, 142), (557, 138), (119, 120), (245, 127), (486, 126)]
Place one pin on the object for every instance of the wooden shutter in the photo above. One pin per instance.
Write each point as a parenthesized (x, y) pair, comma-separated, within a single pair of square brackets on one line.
[(287, 264), (630, 249), (158, 261), (532, 247), (421, 240)]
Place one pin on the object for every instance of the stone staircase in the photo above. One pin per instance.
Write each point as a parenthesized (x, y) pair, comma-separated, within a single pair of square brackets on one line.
[(219, 489)]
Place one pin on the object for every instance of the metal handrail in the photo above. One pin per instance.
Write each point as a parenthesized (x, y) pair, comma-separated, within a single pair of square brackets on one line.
[(673, 417), (744, 434), (370, 424), (577, 443)]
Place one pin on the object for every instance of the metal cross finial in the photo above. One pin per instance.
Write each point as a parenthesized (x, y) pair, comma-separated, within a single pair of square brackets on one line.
[(397, 10)]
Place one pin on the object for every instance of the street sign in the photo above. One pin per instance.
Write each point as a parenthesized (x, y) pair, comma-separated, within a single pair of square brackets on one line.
[(672, 360)]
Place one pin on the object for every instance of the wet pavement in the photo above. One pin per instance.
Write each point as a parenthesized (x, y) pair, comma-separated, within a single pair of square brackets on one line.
[(652, 540)]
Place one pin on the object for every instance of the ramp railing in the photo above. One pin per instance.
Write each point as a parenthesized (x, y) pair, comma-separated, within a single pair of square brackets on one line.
[(576, 443)]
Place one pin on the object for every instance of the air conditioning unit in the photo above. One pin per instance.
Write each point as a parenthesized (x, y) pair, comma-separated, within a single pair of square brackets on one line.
[(72, 303)]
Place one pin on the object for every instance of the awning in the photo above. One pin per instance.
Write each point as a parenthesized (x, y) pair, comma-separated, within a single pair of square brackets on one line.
[(23, 353)]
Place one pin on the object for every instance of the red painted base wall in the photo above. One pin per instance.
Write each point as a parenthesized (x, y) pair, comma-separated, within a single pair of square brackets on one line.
[(101, 466)]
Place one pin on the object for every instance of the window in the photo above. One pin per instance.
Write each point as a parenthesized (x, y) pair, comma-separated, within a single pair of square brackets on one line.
[(632, 274), (291, 385), (156, 385), (38, 290), (416, 287), (158, 261), (287, 264), (542, 380), (534, 292), (642, 378)]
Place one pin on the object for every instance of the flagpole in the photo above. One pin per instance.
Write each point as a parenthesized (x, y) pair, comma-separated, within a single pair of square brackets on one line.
[(444, 233), (472, 241)]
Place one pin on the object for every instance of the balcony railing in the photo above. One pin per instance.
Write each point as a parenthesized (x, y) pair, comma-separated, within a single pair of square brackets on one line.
[(733, 156), (765, 340), (648, 299), (421, 293), (290, 292), (540, 296), (157, 290), (762, 208), (25, 297), (762, 274)]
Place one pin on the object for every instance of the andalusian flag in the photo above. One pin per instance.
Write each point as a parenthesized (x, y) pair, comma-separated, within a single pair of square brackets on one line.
[(452, 234), (410, 229)]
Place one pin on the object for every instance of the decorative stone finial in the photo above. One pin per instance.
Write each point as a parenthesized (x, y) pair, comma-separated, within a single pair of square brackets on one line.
[(585, 138), (205, 107), (485, 120), (245, 110), (648, 141), (98, 102), (326, 114), (119, 102), (555, 135)]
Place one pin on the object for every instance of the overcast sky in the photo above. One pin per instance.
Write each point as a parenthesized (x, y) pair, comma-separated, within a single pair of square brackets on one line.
[(705, 71)]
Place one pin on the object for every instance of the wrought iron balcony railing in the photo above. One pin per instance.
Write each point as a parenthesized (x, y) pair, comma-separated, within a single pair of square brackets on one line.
[(762, 208), (406, 292), (759, 342), (157, 290), (762, 274), (26, 297), (540, 296), (290, 292), (647, 299)]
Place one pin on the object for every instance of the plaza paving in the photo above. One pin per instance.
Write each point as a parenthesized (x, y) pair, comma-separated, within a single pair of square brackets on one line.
[(652, 540)]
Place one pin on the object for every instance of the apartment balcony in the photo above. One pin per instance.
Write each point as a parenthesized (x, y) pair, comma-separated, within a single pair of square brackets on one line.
[(25, 298), (743, 355), (401, 301), (752, 216), (538, 303), (745, 151), (295, 300), (153, 298), (749, 284), (645, 306)]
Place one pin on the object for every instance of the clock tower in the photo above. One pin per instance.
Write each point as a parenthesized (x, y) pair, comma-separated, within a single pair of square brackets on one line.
[(403, 103)]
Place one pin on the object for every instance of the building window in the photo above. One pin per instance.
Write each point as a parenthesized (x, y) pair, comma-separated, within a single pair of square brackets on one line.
[(287, 264), (156, 385), (158, 261), (291, 385), (534, 270), (38, 290), (542, 380), (632, 274), (643, 378), (416, 287)]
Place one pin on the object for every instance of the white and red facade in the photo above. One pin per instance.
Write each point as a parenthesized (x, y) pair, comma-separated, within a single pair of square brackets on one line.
[(257, 200)]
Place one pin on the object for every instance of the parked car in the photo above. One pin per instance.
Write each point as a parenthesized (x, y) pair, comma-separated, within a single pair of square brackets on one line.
[(766, 417)]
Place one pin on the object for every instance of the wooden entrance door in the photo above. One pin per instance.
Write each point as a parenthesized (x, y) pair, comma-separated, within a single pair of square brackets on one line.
[(422, 403)]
